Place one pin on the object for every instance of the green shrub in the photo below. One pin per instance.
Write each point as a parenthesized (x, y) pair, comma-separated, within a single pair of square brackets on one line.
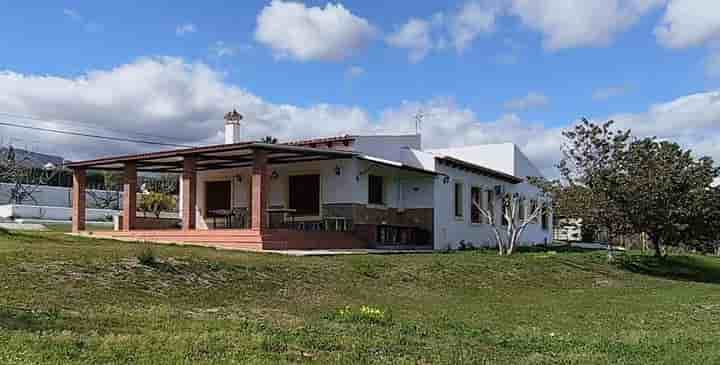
[(4, 232), (157, 203)]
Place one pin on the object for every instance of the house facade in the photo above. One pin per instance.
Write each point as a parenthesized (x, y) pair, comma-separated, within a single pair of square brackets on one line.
[(349, 191)]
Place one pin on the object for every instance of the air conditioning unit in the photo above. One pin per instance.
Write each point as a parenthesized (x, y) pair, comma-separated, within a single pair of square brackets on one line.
[(499, 190)]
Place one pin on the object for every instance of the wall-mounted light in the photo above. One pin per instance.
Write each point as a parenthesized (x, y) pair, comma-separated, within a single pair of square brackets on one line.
[(238, 178), (446, 179), (274, 175), (338, 170)]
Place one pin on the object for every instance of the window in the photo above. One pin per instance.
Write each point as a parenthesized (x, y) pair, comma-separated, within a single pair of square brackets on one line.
[(458, 199), (521, 211), (475, 200), (545, 218), (305, 194), (376, 187)]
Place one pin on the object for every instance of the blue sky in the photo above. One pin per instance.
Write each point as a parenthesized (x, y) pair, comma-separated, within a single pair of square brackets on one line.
[(512, 66)]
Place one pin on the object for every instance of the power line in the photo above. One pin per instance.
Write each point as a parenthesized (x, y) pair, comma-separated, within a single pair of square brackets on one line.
[(86, 124), (117, 139)]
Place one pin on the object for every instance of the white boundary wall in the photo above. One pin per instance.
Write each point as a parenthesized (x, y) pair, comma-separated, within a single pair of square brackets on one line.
[(54, 196), (52, 213)]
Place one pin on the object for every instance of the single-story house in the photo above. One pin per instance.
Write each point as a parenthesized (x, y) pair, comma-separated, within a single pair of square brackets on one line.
[(350, 191)]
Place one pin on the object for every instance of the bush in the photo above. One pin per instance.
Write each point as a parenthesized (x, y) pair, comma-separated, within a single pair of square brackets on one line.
[(147, 257), (4, 232), (157, 203)]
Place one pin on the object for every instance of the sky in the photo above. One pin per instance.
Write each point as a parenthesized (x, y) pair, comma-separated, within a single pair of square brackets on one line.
[(479, 71)]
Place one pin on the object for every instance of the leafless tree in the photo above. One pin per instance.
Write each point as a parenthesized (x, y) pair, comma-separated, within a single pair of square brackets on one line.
[(509, 232), (24, 179)]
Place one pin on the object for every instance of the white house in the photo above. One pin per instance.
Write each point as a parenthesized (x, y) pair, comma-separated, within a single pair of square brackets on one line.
[(351, 191)]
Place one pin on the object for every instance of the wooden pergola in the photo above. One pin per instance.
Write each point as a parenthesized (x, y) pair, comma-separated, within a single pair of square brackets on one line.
[(188, 162)]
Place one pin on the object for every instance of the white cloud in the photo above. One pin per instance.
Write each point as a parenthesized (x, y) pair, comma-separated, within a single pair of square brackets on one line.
[(460, 28), (178, 100), (184, 103), (293, 30), (610, 92), (575, 23), (689, 23), (223, 49), (186, 28), (533, 100), (414, 36), (473, 18)]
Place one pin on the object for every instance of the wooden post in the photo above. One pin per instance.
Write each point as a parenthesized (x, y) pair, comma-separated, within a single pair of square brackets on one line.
[(189, 192), (130, 196), (78, 200), (259, 190)]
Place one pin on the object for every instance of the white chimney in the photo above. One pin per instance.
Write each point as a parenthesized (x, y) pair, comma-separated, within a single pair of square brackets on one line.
[(232, 127)]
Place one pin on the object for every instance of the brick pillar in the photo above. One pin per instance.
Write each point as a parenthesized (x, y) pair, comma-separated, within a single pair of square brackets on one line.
[(78, 200), (189, 192), (259, 190), (130, 196)]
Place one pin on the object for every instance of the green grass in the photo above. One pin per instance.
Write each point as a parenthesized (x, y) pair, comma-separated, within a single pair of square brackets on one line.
[(74, 300)]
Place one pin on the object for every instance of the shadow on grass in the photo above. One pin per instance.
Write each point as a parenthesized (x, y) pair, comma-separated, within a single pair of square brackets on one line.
[(687, 268), (20, 319)]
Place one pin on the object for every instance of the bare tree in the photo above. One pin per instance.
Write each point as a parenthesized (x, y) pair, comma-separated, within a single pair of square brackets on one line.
[(24, 179), (516, 218), (109, 196)]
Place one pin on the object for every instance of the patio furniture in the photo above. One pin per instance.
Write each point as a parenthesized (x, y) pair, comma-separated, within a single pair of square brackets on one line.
[(337, 224), (240, 215), (223, 214), (401, 235)]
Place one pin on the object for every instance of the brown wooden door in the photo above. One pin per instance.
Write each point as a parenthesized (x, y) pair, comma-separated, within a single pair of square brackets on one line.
[(218, 195), (305, 194)]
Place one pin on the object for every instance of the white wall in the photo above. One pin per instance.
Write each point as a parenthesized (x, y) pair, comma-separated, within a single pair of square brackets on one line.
[(389, 147), (500, 157), (53, 196), (449, 230), (52, 213), (403, 189)]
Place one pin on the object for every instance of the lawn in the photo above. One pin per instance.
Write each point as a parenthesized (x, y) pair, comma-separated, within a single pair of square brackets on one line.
[(72, 300)]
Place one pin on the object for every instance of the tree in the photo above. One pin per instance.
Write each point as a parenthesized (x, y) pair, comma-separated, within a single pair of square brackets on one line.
[(592, 159), (25, 179), (516, 214), (156, 203), (641, 186), (667, 192), (109, 196)]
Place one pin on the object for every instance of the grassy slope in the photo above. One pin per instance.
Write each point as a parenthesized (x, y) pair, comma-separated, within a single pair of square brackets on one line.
[(72, 300)]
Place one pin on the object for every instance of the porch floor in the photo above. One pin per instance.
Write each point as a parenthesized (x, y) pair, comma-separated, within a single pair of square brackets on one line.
[(241, 239)]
